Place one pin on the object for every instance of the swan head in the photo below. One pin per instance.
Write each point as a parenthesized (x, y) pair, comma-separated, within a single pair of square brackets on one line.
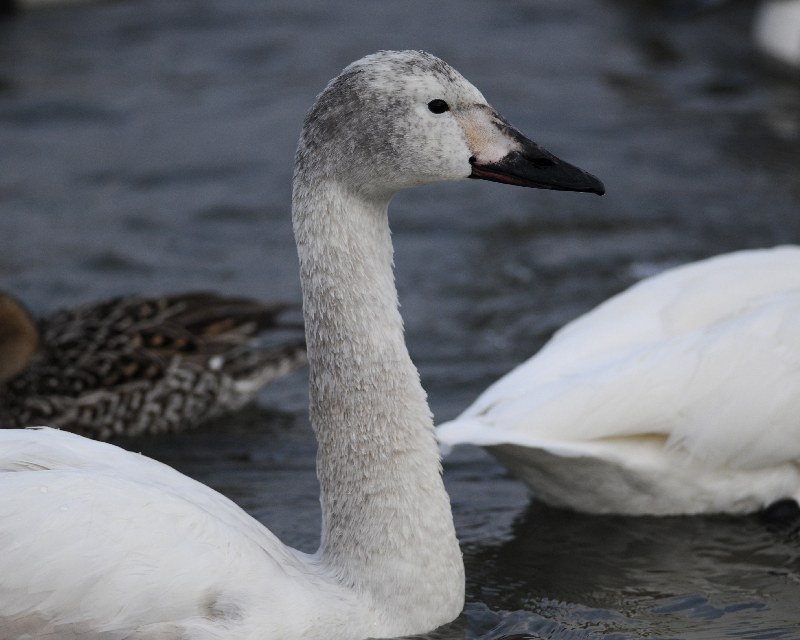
[(398, 119)]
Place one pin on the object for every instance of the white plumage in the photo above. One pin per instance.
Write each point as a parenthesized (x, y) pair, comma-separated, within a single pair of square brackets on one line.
[(121, 537), (776, 30), (679, 395), (96, 542)]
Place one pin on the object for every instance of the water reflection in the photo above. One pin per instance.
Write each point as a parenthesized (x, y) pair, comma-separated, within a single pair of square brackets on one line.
[(654, 577)]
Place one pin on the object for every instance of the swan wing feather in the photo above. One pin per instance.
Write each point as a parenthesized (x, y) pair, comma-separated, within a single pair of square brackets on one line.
[(128, 539), (704, 355)]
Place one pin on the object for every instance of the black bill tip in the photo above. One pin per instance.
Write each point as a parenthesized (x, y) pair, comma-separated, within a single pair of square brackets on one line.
[(537, 168)]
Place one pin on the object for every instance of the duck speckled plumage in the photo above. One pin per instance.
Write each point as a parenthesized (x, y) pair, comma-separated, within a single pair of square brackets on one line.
[(134, 365)]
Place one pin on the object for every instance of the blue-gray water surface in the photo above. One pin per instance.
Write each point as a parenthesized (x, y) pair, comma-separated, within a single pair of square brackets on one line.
[(147, 146)]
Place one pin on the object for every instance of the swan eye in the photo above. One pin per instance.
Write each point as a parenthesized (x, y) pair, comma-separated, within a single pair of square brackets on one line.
[(438, 106)]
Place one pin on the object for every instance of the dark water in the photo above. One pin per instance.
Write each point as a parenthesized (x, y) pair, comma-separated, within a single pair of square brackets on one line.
[(147, 146)]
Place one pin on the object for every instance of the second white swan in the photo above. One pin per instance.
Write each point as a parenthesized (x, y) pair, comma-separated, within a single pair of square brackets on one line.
[(680, 395)]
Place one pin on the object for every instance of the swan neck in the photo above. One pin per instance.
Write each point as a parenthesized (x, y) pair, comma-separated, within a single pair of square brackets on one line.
[(387, 527)]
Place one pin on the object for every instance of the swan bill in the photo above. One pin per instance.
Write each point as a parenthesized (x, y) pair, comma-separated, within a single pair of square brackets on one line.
[(529, 165)]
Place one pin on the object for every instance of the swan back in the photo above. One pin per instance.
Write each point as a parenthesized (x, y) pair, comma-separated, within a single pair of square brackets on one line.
[(49, 480), (703, 356), (680, 300)]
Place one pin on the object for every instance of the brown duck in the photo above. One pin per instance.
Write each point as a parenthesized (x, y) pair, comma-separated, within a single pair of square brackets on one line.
[(133, 365)]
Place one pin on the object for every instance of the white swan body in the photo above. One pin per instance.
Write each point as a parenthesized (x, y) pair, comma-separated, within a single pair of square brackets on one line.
[(96, 542), (121, 536), (776, 30), (679, 395)]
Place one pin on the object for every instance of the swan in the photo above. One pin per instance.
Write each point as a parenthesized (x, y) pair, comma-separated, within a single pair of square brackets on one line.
[(680, 395), (776, 30), (131, 365), (102, 543)]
